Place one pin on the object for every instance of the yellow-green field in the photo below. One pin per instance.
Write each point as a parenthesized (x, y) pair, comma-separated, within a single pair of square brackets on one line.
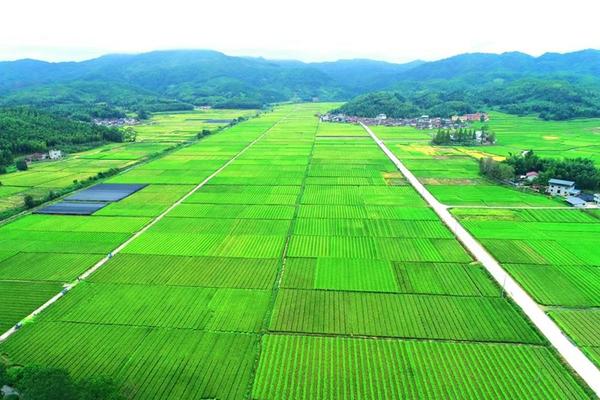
[(183, 126)]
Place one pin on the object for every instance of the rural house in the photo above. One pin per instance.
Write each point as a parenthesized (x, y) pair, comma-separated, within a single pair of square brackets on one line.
[(559, 187), (531, 176), (55, 154)]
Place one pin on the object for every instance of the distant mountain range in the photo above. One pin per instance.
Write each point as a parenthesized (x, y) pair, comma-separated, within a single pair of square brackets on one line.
[(179, 79)]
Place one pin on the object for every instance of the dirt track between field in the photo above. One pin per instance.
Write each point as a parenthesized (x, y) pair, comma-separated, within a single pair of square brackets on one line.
[(570, 352)]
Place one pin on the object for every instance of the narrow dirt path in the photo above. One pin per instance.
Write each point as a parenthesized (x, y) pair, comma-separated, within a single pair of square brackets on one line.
[(570, 353)]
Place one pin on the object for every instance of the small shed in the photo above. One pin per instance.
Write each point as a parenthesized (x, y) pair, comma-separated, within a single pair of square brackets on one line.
[(575, 201)]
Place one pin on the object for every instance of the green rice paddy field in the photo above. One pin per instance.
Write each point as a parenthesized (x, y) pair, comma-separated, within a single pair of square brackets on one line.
[(306, 269), (161, 132), (552, 253), (451, 173)]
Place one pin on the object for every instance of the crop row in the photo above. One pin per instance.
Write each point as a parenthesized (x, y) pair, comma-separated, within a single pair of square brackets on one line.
[(211, 309), (303, 367), (150, 363), (249, 273), (400, 315)]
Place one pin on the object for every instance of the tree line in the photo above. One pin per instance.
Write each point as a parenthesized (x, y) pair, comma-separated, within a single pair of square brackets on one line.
[(463, 137), (550, 99), (24, 130), (582, 171)]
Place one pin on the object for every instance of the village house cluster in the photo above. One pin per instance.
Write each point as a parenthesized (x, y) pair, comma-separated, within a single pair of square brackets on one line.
[(422, 122), (572, 195), (115, 122), (563, 188)]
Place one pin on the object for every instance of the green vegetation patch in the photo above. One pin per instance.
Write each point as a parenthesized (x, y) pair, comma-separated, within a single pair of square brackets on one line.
[(399, 315), (19, 299), (249, 273), (47, 266), (169, 362), (179, 307), (307, 367)]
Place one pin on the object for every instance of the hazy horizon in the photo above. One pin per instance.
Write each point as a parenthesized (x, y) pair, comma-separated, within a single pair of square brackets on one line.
[(309, 31), (281, 59)]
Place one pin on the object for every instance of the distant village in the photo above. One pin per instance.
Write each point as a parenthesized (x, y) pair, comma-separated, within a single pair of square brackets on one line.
[(422, 122), (115, 122)]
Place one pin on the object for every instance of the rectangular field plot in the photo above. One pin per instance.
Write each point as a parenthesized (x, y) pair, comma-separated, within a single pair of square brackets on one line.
[(149, 363), (339, 274), (564, 285), (412, 213), (164, 306), (445, 278), (227, 226), (224, 194), (386, 276), (372, 227), (397, 249), (360, 195), (240, 211), (79, 224), (488, 195), (220, 272), (305, 367), (396, 315), (580, 324), (46, 266), (218, 245), (19, 299)]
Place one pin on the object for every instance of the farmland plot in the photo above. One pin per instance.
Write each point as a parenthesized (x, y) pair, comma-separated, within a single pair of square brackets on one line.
[(255, 285), (309, 367), (553, 255)]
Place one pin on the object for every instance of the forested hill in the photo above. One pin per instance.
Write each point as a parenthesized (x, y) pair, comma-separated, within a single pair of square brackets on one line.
[(25, 130), (550, 99), (554, 85)]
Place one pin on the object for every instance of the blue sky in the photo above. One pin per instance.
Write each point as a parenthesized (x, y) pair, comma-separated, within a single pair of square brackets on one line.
[(309, 30)]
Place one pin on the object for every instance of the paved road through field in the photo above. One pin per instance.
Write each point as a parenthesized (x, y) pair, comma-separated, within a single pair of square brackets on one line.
[(571, 353)]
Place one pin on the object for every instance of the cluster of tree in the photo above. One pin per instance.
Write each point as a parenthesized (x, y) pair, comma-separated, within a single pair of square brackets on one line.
[(551, 99), (582, 171), (406, 105), (45, 383), (496, 170), (25, 130), (463, 137), (89, 99)]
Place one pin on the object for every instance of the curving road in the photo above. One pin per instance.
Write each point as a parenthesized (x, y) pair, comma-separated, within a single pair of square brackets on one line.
[(571, 353)]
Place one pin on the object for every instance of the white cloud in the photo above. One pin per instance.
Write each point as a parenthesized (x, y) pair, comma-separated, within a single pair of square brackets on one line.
[(308, 30)]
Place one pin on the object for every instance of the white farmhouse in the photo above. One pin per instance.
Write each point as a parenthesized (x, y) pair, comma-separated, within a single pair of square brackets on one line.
[(55, 154), (559, 187)]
